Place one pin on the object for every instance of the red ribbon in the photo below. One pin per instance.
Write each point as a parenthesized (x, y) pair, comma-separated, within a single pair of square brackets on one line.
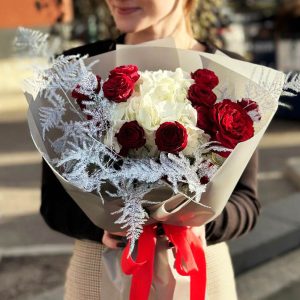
[(189, 261)]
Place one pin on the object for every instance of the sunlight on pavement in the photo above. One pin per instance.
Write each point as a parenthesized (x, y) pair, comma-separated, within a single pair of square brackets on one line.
[(13, 104), (272, 175), (17, 202), (269, 278), (280, 140), (19, 158), (14, 71)]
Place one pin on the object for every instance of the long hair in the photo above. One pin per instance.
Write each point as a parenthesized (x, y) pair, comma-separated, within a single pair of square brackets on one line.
[(203, 19), (190, 6)]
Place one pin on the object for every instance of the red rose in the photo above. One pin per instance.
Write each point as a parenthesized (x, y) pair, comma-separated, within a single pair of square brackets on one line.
[(232, 124), (206, 77), (129, 70), (200, 94), (251, 107), (130, 136), (118, 88), (204, 120), (171, 137)]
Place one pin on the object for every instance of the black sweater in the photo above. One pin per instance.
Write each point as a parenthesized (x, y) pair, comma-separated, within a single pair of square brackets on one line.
[(62, 214)]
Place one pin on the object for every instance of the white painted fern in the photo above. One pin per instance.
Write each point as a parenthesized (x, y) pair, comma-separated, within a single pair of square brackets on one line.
[(31, 42), (292, 85), (133, 215)]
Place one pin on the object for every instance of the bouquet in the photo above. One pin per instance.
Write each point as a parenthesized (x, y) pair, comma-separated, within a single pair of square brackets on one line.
[(164, 127), (136, 141)]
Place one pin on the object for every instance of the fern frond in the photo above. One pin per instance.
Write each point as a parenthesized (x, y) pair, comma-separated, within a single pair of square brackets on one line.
[(133, 215), (50, 117), (31, 42), (291, 86)]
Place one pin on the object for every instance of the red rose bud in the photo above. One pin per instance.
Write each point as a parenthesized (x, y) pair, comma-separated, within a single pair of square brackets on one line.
[(171, 137), (118, 88), (232, 124), (131, 136), (204, 180), (206, 77), (200, 94), (81, 97), (129, 70), (251, 107), (204, 120)]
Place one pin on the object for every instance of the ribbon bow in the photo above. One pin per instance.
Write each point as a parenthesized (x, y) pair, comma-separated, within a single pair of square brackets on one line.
[(189, 261)]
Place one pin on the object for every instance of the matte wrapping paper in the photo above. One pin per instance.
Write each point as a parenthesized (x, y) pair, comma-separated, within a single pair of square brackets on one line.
[(237, 77)]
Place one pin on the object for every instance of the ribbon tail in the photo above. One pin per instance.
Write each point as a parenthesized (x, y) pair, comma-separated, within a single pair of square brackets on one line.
[(198, 278), (129, 266), (142, 268), (190, 258)]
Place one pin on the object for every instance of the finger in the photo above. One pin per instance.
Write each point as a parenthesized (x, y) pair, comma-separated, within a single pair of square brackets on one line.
[(170, 245), (116, 237), (111, 242), (108, 241), (160, 230), (119, 233)]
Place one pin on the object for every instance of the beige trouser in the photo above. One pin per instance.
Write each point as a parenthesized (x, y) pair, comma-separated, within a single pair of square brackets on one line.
[(84, 281)]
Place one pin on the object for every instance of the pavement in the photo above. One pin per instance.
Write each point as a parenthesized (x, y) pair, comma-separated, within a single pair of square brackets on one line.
[(267, 261)]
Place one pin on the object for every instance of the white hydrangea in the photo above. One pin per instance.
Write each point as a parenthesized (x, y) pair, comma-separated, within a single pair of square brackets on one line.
[(159, 96)]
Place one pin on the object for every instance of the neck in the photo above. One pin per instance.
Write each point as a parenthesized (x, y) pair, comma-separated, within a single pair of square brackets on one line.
[(171, 26)]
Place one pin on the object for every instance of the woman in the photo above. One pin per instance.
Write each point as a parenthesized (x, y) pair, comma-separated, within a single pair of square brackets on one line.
[(141, 21)]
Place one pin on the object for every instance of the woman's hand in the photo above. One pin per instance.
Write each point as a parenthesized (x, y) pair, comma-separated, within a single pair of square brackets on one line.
[(114, 240)]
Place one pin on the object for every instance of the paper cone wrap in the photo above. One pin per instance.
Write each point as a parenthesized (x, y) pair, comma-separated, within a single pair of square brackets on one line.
[(238, 78)]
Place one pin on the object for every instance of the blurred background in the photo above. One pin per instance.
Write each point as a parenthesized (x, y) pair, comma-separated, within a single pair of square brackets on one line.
[(33, 259)]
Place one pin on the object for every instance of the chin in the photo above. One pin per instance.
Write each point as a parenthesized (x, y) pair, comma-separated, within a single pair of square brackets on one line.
[(128, 28)]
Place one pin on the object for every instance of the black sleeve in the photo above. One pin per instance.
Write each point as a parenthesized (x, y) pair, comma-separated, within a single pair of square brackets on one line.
[(92, 49), (60, 211), (241, 211)]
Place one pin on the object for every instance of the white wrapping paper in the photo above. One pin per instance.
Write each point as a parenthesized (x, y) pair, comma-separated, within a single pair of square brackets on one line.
[(237, 77)]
